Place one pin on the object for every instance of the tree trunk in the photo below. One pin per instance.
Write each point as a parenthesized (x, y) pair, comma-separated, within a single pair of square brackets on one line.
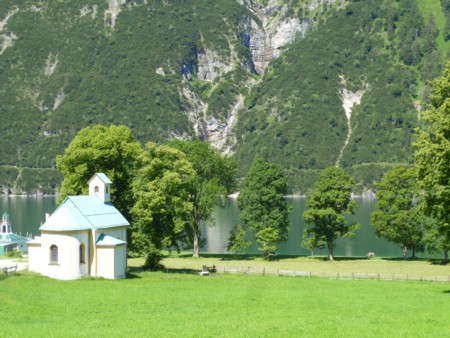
[(405, 252), (196, 253), (330, 251)]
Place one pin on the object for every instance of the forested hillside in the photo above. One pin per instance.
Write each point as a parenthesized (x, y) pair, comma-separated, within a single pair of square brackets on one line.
[(307, 84)]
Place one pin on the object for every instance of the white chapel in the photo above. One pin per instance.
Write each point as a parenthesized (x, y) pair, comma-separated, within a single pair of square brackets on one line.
[(85, 236)]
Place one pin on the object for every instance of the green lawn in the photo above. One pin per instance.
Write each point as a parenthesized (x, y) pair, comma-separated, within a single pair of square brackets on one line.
[(221, 305), (306, 264)]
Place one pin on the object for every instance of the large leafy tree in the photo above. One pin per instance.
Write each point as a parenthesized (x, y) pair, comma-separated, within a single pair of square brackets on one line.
[(215, 178), (111, 150), (432, 158), (263, 206), (328, 205), (163, 207), (398, 217)]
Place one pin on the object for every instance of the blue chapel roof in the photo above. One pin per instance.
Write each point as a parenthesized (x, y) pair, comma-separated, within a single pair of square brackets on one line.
[(84, 213), (105, 240)]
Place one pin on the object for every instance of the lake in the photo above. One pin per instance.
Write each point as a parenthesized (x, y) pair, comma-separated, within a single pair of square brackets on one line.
[(28, 213), (365, 240)]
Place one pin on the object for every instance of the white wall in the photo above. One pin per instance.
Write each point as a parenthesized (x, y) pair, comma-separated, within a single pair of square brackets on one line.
[(105, 262), (35, 258), (120, 262), (112, 262), (68, 266), (103, 189)]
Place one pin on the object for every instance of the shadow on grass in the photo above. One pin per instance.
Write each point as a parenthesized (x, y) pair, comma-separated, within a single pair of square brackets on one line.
[(446, 292), (223, 257), (433, 261), (408, 259), (181, 271), (319, 258), (249, 257), (133, 271), (438, 261), (9, 275)]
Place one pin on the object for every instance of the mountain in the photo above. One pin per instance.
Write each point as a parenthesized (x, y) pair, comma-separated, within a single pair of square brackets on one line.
[(307, 84)]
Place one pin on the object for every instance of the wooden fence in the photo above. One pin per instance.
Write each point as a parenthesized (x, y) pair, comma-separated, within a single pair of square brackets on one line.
[(330, 275)]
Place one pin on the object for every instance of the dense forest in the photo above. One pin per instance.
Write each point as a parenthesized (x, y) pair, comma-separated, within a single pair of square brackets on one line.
[(303, 83)]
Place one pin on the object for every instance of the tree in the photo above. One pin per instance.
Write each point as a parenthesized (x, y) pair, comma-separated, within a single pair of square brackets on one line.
[(328, 205), (312, 242), (215, 178), (398, 217), (237, 241), (162, 207), (432, 157), (263, 206), (111, 150)]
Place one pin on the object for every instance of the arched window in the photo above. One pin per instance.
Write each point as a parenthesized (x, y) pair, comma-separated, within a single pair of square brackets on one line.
[(96, 189), (53, 254), (82, 254)]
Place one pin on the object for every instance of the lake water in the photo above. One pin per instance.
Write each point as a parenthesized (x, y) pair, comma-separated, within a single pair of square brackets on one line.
[(365, 240), (27, 214)]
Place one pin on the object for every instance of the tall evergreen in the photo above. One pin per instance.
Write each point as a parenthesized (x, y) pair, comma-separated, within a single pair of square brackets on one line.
[(263, 206)]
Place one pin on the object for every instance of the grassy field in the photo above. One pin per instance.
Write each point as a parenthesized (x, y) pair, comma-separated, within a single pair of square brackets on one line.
[(314, 264), (225, 305)]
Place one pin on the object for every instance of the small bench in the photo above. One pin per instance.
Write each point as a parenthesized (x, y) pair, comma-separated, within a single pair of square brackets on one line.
[(206, 270), (9, 269)]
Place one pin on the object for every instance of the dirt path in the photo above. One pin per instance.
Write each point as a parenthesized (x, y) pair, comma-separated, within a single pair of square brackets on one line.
[(12, 262)]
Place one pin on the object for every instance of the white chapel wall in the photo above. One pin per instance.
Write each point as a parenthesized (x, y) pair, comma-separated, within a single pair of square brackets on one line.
[(105, 262), (120, 261), (68, 265)]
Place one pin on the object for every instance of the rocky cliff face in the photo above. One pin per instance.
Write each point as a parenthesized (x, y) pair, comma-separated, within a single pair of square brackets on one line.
[(273, 31), (271, 28), (279, 25), (264, 30)]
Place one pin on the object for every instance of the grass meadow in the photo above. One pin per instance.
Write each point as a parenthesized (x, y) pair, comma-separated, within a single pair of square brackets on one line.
[(157, 304), (418, 267)]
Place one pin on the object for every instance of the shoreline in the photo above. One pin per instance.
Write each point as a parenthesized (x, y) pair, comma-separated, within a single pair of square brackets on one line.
[(365, 195)]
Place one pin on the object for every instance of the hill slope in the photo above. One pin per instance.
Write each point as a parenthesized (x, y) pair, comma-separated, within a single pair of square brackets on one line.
[(272, 78)]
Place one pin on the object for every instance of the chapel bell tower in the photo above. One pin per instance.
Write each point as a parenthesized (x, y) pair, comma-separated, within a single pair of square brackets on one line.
[(100, 185)]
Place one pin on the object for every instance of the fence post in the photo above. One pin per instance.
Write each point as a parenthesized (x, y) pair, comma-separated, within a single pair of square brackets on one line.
[(248, 270), (264, 271), (278, 272), (337, 275), (353, 275)]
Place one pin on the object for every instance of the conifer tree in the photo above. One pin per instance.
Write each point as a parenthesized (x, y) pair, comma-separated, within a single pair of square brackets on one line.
[(263, 206)]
